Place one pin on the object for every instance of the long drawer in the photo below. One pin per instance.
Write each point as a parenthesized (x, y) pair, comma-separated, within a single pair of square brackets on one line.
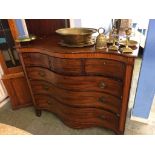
[(78, 117), (105, 67), (77, 83), (35, 59), (109, 68), (78, 99)]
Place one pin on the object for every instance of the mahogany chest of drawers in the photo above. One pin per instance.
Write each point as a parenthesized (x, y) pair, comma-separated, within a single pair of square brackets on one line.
[(82, 86)]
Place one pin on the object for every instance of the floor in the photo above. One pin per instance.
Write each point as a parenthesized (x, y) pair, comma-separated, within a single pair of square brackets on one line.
[(24, 121)]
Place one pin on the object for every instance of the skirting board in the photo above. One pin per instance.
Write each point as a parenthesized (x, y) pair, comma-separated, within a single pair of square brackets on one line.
[(143, 120), (4, 102), (139, 119)]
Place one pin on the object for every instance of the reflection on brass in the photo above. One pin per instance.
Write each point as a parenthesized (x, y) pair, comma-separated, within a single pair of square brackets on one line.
[(127, 49), (111, 36), (92, 42), (26, 39), (101, 41), (128, 31), (113, 47), (76, 36), (130, 42)]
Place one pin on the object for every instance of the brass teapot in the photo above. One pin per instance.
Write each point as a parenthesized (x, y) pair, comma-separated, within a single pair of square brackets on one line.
[(101, 41)]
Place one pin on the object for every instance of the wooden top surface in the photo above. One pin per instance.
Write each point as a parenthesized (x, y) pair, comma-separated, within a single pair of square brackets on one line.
[(50, 45)]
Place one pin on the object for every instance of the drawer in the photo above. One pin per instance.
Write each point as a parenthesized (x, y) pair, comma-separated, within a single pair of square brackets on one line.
[(78, 99), (65, 66), (78, 117), (77, 83), (35, 59), (105, 67)]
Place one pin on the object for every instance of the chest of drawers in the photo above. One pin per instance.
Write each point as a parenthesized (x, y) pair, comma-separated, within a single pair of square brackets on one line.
[(82, 86)]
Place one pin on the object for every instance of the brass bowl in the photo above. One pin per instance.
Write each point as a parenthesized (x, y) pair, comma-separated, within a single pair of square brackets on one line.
[(76, 36)]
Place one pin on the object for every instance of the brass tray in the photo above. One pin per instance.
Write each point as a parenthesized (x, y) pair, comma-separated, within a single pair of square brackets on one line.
[(91, 43), (131, 43), (26, 39)]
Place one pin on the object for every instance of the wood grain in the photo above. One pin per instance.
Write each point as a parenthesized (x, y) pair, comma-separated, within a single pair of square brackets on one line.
[(71, 98), (44, 27), (47, 44), (37, 59), (66, 66), (84, 87), (76, 117), (18, 92), (125, 99), (76, 83), (104, 67)]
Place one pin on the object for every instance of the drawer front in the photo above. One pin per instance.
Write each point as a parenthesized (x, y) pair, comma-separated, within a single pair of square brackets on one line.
[(77, 83), (35, 59), (109, 68), (78, 99), (65, 66), (78, 117)]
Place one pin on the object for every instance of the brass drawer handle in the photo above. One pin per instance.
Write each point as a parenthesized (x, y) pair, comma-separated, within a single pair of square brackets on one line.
[(101, 99), (42, 74), (45, 87), (118, 115), (103, 117), (49, 102), (102, 85)]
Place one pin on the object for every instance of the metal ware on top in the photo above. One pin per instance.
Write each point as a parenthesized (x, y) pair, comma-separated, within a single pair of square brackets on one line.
[(101, 41), (127, 49), (26, 39), (114, 47), (76, 37), (131, 43)]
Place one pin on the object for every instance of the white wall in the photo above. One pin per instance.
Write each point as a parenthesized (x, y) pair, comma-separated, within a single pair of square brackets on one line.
[(3, 92), (97, 23), (92, 23)]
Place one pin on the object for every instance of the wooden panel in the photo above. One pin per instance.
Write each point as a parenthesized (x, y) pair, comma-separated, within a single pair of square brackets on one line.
[(78, 117), (2, 63), (36, 59), (89, 99), (44, 27), (13, 28), (66, 66), (109, 68), (77, 83), (15, 75), (12, 70), (18, 91), (125, 99)]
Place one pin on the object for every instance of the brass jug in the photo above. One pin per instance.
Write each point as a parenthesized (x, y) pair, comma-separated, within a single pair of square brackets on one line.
[(101, 41)]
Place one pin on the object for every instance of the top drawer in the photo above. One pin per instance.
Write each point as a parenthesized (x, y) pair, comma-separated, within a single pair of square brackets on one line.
[(105, 67), (35, 59), (65, 66)]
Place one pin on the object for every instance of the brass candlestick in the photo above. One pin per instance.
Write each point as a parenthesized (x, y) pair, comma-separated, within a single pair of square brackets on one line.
[(127, 49), (114, 47)]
